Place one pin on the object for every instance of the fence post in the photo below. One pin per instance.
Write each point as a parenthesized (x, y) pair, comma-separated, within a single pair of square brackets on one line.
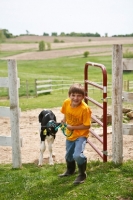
[(51, 84), (62, 86), (36, 87), (27, 89), (127, 85), (117, 82), (14, 113)]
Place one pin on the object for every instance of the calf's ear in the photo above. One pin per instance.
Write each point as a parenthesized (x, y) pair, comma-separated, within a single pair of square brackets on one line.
[(40, 116)]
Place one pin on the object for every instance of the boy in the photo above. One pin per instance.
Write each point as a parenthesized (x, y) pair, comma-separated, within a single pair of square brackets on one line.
[(77, 115)]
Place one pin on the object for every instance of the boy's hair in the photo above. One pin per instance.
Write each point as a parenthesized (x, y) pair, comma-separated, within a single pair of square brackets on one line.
[(76, 88)]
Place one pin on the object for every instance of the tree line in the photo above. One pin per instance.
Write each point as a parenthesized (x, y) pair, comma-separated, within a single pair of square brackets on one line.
[(127, 35), (4, 33), (74, 34)]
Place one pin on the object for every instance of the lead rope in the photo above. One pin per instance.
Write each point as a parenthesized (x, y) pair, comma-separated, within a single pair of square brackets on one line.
[(63, 128)]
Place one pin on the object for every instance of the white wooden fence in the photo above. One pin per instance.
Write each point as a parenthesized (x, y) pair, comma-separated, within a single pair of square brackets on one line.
[(118, 129), (13, 112), (43, 86), (47, 86)]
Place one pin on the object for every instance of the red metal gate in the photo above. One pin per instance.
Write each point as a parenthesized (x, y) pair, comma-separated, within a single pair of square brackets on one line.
[(103, 106)]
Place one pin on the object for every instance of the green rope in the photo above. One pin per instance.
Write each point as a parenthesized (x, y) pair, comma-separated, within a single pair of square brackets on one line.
[(63, 128)]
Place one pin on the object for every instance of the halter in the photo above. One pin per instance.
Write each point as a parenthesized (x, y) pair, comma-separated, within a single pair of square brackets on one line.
[(52, 124)]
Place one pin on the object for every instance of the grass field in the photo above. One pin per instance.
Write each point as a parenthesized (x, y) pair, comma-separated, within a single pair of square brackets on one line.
[(105, 181)]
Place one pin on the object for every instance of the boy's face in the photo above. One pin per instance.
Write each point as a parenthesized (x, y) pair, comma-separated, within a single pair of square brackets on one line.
[(76, 99)]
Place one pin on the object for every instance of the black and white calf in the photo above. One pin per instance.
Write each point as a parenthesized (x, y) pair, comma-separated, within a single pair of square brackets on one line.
[(47, 120)]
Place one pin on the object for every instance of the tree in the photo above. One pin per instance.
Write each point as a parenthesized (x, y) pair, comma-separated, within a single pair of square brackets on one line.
[(7, 34), (54, 34), (41, 46), (2, 36), (45, 34), (62, 34)]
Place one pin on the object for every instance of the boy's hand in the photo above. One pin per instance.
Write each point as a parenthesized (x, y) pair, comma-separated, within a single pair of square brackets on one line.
[(62, 122), (69, 127)]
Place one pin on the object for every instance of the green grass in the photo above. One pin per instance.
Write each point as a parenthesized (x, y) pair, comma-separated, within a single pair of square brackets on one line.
[(128, 54), (61, 68), (71, 68), (105, 181), (66, 68), (46, 101), (12, 53)]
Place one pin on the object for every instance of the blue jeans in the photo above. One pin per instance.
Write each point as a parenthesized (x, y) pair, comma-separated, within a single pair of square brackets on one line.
[(75, 149)]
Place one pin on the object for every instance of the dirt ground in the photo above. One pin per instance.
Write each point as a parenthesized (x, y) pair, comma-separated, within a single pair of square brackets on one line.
[(29, 131)]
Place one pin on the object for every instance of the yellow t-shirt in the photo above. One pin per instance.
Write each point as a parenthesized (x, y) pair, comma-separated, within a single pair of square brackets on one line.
[(77, 116)]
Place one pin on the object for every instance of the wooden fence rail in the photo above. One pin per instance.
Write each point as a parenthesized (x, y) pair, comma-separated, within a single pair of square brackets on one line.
[(47, 86)]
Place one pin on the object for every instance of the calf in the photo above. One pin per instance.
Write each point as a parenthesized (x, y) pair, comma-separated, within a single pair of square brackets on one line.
[(47, 120)]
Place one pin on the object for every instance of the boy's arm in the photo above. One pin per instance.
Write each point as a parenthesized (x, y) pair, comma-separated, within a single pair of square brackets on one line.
[(80, 127), (64, 119)]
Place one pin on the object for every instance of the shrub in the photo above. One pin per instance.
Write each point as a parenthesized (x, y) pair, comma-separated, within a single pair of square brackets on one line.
[(56, 40), (41, 46), (48, 46), (86, 53)]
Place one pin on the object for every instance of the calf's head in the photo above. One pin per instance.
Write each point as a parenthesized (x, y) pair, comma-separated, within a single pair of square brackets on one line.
[(48, 123)]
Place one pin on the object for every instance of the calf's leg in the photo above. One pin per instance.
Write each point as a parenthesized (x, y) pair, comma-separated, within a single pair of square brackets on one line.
[(42, 149), (50, 141)]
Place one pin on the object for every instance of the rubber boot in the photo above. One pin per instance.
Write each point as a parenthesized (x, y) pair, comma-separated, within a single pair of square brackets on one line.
[(82, 174), (70, 169)]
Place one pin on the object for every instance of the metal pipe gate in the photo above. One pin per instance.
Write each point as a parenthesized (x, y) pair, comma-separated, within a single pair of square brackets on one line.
[(103, 106)]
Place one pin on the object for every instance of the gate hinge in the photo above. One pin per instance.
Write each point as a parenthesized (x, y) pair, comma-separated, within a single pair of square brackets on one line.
[(106, 99), (106, 153)]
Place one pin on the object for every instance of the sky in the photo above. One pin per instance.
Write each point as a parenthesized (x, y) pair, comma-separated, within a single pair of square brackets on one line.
[(113, 17)]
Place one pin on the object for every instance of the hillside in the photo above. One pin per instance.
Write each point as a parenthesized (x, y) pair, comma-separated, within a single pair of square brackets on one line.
[(72, 46)]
